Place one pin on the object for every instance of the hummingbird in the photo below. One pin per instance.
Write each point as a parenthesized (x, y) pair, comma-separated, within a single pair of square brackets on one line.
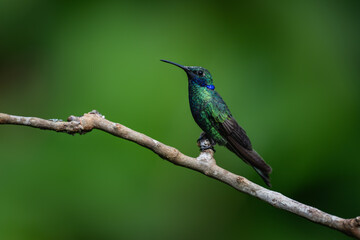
[(213, 116)]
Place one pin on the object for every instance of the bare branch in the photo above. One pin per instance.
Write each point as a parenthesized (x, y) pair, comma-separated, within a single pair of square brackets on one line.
[(204, 163)]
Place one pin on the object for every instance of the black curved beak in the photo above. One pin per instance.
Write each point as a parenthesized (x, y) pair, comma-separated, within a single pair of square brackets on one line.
[(178, 65)]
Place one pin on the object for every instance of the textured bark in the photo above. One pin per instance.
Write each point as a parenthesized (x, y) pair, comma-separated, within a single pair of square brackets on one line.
[(204, 163)]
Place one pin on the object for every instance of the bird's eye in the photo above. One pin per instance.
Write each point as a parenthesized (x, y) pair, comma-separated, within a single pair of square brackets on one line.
[(200, 73)]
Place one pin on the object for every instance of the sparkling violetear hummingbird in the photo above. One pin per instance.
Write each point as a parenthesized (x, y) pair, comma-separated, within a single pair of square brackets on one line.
[(213, 116)]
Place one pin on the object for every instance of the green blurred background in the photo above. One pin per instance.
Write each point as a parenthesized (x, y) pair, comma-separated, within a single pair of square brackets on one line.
[(289, 71)]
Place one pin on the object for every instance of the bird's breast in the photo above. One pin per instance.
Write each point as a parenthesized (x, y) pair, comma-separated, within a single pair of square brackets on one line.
[(198, 99)]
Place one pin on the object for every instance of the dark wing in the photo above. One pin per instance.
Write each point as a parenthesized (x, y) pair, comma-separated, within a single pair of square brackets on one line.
[(237, 140), (230, 128)]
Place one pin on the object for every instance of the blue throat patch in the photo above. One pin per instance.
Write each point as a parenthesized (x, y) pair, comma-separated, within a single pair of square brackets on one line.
[(211, 87)]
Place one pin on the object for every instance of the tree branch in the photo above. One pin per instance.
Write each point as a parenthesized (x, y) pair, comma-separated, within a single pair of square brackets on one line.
[(204, 163)]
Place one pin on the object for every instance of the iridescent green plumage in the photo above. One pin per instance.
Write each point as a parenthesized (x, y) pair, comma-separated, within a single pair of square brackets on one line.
[(213, 116)]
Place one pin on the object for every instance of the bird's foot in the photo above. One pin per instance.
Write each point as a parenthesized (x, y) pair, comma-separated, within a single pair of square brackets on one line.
[(205, 143), (202, 149)]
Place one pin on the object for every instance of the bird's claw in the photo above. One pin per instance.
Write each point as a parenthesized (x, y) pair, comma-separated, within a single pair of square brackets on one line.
[(205, 143), (202, 149)]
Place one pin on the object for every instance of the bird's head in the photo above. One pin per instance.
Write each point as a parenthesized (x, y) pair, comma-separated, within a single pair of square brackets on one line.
[(196, 75)]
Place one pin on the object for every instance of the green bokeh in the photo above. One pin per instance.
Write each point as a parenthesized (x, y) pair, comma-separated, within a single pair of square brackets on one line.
[(289, 71)]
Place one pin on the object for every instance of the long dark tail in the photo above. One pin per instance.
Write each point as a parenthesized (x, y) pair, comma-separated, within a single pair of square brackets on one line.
[(265, 176), (252, 158)]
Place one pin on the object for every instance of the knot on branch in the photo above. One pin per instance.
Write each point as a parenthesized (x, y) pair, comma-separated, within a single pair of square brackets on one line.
[(241, 180), (352, 226), (83, 124)]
